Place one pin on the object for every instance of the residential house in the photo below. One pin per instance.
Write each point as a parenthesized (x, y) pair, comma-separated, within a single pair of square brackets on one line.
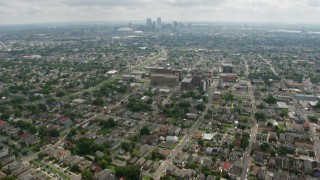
[(140, 161), (62, 154), (154, 167), (226, 166), (106, 174), (172, 170), (206, 162), (66, 122), (146, 165), (133, 161), (149, 139), (84, 165), (259, 159), (29, 139), (186, 173)]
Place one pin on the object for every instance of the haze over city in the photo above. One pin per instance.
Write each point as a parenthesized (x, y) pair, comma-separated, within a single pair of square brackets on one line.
[(48, 11), (159, 89)]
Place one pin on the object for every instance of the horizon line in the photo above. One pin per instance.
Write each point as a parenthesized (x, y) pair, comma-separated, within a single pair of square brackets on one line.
[(166, 21)]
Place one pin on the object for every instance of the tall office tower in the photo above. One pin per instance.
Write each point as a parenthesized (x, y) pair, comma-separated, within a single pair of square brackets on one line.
[(149, 22), (159, 22), (175, 26)]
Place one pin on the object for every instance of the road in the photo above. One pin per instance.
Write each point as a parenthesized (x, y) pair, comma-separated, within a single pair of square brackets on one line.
[(315, 138), (271, 66), (31, 157), (187, 137), (254, 129)]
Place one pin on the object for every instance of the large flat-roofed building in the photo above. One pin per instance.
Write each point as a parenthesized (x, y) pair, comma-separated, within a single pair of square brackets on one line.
[(186, 83), (229, 77), (161, 70), (165, 76), (282, 105), (292, 84), (227, 68), (305, 97), (164, 79)]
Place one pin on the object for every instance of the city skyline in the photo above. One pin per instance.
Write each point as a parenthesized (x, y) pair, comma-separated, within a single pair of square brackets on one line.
[(47, 11)]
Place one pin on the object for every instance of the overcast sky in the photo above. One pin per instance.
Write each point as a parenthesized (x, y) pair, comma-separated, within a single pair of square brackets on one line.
[(42, 11)]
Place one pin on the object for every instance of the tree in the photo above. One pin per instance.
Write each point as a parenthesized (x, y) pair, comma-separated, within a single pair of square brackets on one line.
[(284, 113), (103, 164), (144, 131), (317, 106), (165, 177), (129, 172), (50, 101), (126, 146), (86, 174), (42, 107), (245, 142), (42, 155), (72, 132), (110, 123), (279, 130), (200, 107), (87, 146), (5, 116), (98, 102), (200, 141), (60, 93), (271, 99), (42, 131), (260, 116), (155, 154), (228, 97), (264, 146), (54, 132), (135, 153), (313, 119), (184, 105), (8, 178)]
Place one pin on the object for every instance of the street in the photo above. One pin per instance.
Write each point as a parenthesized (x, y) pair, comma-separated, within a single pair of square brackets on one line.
[(254, 129), (187, 137)]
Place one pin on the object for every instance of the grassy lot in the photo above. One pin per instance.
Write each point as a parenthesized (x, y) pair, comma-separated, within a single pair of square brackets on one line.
[(103, 131), (112, 167), (145, 177)]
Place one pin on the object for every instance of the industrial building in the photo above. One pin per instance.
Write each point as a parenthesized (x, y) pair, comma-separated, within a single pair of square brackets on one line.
[(164, 79), (229, 77)]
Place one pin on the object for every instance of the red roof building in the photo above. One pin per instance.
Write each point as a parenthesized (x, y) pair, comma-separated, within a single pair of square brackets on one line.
[(3, 124), (226, 166)]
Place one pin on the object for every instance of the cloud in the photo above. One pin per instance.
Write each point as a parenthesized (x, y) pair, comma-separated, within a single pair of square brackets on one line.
[(314, 3), (105, 2), (190, 3), (34, 11)]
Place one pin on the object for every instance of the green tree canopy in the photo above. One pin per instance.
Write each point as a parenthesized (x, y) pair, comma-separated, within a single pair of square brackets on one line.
[(228, 96), (270, 99), (86, 175), (260, 116), (144, 131), (129, 172), (284, 113), (313, 119), (126, 146), (200, 107), (98, 102)]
